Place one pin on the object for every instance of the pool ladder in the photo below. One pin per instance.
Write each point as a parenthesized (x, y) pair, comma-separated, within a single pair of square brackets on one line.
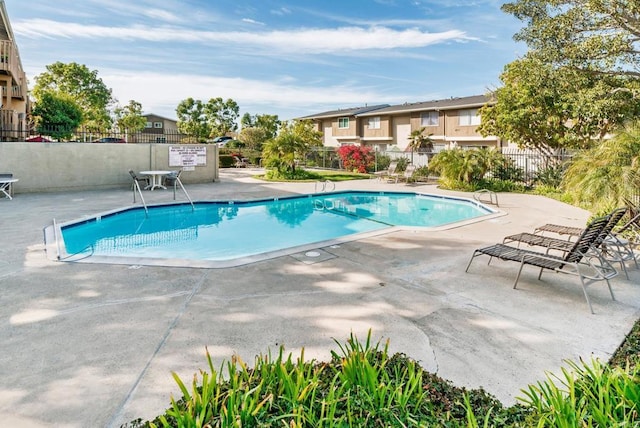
[(136, 188), (323, 186)]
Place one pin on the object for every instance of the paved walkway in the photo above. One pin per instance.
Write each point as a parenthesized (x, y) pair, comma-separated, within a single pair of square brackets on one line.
[(95, 344)]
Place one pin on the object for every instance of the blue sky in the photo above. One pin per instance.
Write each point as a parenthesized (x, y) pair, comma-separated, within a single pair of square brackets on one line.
[(290, 58)]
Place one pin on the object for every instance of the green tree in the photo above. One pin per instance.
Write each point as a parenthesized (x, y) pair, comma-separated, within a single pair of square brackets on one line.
[(253, 138), (222, 116), (192, 120), (601, 178), (202, 120), (545, 108), (57, 115), (129, 118), (293, 142), (268, 122), (81, 85), (594, 36)]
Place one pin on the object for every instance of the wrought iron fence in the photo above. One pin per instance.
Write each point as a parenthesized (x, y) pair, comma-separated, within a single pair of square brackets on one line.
[(521, 166), (83, 135)]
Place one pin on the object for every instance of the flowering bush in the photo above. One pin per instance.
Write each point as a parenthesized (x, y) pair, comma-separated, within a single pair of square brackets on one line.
[(356, 158)]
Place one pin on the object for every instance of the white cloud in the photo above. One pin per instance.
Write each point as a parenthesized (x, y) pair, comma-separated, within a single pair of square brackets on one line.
[(306, 41), (161, 93), (252, 21)]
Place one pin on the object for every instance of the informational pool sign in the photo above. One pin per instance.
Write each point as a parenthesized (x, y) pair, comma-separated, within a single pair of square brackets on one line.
[(187, 157)]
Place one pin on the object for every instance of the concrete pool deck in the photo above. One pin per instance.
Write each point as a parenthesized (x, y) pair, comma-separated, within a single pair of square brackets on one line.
[(95, 344)]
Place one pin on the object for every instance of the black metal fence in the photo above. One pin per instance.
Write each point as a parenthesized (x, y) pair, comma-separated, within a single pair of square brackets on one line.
[(520, 166), (84, 135)]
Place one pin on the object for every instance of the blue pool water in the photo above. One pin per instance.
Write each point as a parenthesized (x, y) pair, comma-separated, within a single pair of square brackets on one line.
[(229, 230)]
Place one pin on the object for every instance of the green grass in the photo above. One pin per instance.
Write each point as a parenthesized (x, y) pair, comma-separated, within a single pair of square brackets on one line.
[(318, 175)]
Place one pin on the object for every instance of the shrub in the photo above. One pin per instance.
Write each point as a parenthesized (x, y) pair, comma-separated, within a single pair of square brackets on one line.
[(589, 395), (551, 175), (357, 158), (466, 166)]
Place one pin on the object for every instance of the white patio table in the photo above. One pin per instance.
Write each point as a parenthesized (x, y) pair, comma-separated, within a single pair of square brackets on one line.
[(156, 178), (5, 186)]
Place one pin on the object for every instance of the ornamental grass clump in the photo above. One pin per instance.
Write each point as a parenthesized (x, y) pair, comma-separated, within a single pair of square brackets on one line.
[(586, 395), (362, 386)]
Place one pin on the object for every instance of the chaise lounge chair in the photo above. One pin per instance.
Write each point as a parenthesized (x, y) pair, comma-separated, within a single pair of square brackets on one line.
[(390, 173), (407, 174), (608, 244), (581, 260)]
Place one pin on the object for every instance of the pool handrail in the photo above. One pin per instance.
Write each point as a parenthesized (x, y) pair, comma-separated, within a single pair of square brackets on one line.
[(178, 181), (136, 186)]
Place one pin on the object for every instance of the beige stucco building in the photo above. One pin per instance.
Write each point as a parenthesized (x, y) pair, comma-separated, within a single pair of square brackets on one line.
[(451, 122), (14, 93)]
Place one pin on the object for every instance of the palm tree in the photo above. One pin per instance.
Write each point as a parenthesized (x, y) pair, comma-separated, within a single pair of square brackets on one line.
[(418, 141), (601, 178)]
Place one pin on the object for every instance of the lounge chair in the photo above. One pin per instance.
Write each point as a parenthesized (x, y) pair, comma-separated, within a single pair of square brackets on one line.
[(407, 174), (573, 231), (142, 181), (389, 173), (610, 247), (240, 162), (581, 260)]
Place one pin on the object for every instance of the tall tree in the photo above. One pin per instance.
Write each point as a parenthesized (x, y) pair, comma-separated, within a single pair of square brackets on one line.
[(222, 116), (129, 118), (253, 138), (83, 86), (601, 36), (547, 108), (207, 120), (57, 115), (269, 122), (192, 120)]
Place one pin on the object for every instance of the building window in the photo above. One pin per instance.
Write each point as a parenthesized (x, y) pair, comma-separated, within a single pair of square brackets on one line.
[(429, 118), (157, 124), (469, 117), (161, 140), (148, 125), (374, 122), (343, 123)]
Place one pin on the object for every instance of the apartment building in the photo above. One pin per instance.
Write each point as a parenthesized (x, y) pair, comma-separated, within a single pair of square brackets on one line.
[(159, 129), (450, 122), (14, 94)]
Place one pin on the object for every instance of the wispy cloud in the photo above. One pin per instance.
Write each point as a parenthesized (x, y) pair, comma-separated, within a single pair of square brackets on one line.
[(281, 12), (157, 91), (301, 40), (252, 21)]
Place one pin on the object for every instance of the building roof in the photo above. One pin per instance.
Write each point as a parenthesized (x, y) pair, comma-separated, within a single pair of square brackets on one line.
[(445, 104), (354, 111), (453, 103), (158, 116)]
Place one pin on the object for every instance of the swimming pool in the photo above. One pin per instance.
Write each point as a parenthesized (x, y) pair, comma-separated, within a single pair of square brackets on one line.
[(227, 233)]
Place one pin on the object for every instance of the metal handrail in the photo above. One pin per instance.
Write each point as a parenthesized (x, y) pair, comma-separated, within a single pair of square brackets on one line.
[(55, 238), (193, 208), (136, 186)]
